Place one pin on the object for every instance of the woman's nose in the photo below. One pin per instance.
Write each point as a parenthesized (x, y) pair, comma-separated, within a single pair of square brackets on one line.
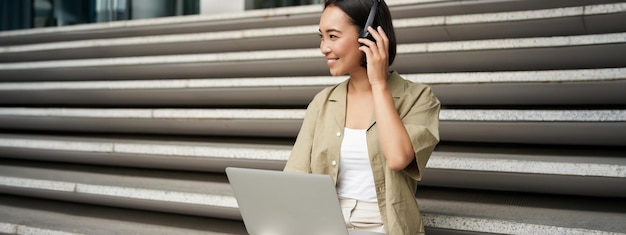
[(325, 49)]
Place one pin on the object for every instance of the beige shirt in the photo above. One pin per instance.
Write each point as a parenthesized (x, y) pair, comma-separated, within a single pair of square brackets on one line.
[(317, 147)]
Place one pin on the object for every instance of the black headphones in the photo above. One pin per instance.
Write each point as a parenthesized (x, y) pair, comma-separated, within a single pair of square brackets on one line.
[(370, 21)]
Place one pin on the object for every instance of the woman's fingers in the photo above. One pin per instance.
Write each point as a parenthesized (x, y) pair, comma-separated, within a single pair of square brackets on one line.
[(380, 37), (378, 49)]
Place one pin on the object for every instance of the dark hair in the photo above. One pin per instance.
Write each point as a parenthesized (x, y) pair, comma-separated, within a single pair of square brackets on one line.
[(358, 11)]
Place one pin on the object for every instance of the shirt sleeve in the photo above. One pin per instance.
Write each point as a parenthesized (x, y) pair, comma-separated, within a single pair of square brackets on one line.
[(422, 124)]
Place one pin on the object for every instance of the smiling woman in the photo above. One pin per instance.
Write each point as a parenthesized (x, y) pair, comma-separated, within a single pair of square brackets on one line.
[(374, 132)]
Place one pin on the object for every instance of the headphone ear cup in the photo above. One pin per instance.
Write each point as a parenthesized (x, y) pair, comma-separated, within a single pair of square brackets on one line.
[(364, 33), (370, 20)]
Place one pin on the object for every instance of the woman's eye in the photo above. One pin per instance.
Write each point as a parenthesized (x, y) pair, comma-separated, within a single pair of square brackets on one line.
[(328, 36)]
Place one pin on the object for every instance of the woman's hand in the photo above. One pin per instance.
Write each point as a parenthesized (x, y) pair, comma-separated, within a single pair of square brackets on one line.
[(377, 55)]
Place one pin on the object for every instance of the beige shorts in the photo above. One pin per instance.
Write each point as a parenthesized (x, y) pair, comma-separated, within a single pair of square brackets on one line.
[(362, 215)]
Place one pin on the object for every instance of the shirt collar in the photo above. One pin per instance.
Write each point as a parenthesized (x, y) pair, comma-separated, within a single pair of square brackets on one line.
[(338, 97)]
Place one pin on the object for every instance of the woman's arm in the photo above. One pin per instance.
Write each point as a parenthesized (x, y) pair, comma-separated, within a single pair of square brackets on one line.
[(393, 137)]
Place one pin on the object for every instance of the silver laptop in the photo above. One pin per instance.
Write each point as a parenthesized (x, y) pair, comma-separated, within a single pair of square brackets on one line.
[(288, 203)]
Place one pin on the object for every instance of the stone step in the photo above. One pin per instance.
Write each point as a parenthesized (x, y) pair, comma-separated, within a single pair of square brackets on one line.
[(34, 216), (605, 127), (540, 53), (550, 87), (592, 19), (192, 193), (277, 17), (25, 215), (187, 194), (598, 171), (489, 212), (184, 154)]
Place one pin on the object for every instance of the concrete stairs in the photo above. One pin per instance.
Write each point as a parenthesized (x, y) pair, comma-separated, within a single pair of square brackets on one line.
[(126, 127)]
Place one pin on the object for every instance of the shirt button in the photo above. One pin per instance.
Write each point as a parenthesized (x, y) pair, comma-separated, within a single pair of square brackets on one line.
[(334, 163), (338, 134)]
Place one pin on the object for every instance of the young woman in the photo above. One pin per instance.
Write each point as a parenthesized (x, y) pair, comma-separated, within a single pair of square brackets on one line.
[(374, 132)]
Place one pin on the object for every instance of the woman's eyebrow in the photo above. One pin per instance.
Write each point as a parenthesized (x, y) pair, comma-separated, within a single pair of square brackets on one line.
[(330, 31)]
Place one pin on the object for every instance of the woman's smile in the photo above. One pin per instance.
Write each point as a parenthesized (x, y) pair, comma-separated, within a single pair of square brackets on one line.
[(331, 61)]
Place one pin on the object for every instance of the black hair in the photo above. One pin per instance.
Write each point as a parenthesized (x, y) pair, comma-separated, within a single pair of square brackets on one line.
[(358, 10)]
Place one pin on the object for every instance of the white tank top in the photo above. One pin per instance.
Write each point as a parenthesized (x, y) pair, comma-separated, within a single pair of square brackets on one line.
[(355, 179)]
